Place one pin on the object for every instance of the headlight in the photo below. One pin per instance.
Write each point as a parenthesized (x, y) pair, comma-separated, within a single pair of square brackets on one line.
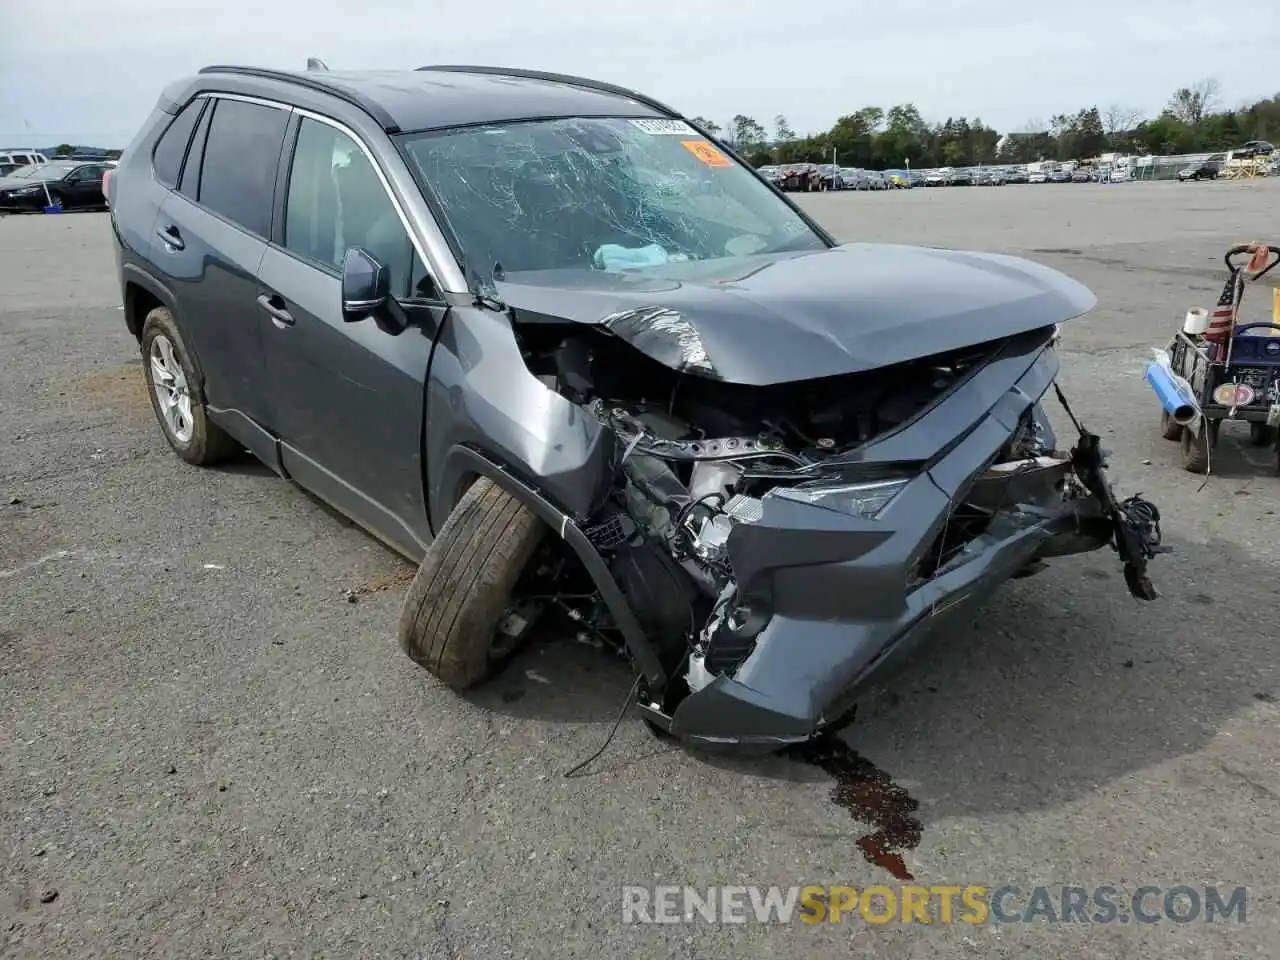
[(26, 192), (856, 499)]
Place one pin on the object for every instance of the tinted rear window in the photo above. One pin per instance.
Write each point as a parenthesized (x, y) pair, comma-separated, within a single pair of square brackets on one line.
[(173, 144), (238, 176)]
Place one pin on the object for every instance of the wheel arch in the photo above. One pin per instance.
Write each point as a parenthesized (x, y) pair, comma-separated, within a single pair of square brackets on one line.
[(144, 293), (464, 465)]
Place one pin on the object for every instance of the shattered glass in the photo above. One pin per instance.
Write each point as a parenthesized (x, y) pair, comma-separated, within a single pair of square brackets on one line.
[(598, 194)]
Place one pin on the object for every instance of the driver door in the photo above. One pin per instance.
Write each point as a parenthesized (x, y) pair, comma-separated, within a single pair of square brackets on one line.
[(349, 390)]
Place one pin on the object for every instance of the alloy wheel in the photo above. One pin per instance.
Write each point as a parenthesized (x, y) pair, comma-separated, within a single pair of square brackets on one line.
[(169, 383)]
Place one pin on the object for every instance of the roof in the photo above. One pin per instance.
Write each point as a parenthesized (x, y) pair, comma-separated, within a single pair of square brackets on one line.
[(435, 97)]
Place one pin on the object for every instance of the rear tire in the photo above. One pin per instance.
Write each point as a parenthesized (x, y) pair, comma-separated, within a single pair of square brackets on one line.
[(1261, 435), (1168, 428), (463, 588), (193, 436), (1196, 446)]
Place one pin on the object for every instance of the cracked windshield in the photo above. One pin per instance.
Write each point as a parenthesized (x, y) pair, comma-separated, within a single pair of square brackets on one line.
[(599, 193)]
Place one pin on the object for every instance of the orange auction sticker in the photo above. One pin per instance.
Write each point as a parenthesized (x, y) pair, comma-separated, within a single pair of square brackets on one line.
[(706, 153)]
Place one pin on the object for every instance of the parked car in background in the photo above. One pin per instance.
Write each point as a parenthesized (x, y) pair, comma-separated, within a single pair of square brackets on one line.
[(898, 179), (772, 174), (1254, 148), (1038, 176), (1207, 169), (76, 186), (853, 179), (1060, 176), (1016, 174), (1081, 175), (988, 177), (829, 177), (938, 178), (799, 177), (876, 180)]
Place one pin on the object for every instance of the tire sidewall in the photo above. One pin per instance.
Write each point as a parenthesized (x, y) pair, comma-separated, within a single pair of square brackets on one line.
[(160, 322)]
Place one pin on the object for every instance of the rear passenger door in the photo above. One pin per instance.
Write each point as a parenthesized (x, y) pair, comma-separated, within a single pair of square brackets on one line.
[(210, 236), (349, 390)]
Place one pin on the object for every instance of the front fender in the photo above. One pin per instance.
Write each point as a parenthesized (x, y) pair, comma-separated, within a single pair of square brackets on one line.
[(481, 396)]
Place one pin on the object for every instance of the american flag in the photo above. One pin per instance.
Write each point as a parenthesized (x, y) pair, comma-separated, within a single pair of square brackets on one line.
[(1223, 317)]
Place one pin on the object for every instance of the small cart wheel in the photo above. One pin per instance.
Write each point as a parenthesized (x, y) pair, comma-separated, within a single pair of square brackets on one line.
[(1261, 435), (1196, 446), (1168, 428)]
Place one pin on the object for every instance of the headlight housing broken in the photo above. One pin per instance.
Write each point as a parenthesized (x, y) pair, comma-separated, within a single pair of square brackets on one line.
[(867, 500)]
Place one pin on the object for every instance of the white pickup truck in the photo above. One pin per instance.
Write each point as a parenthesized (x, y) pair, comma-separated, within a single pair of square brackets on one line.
[(11, 160)]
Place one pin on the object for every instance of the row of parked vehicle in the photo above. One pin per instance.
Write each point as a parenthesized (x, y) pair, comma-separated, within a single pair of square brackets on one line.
[(807, 177)]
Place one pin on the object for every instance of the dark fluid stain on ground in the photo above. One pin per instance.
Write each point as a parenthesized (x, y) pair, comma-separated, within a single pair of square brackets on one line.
[(511, 696), (1067, 250), (871, 796)]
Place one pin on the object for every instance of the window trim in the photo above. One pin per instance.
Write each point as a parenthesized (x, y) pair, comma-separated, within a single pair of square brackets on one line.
[(186, 150), (195, 149), (286, 177), (419, 247), (211, 95), (441, 261)]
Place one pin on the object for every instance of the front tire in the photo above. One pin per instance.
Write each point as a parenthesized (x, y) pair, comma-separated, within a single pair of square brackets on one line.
[(174, 388), (462, 591), (1169, 429)]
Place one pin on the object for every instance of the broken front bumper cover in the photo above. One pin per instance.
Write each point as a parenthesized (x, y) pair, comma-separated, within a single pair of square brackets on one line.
[(830, 602)]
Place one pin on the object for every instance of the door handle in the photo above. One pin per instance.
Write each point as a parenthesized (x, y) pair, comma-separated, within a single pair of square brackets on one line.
[(172, 237), (273, 303)]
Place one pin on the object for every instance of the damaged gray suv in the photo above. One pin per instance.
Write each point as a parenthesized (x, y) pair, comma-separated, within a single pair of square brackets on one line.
[(555, 343)]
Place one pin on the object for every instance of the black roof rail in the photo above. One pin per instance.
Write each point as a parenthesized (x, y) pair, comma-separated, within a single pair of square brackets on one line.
[(313, 81), (564, 78)]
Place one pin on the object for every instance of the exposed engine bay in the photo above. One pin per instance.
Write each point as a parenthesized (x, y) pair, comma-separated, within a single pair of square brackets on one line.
[(696, 456)]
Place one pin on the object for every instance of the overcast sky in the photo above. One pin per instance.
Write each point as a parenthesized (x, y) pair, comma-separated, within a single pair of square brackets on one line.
[(87, 71)]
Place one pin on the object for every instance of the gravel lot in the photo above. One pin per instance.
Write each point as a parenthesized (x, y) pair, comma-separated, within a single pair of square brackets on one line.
[(207, 750)]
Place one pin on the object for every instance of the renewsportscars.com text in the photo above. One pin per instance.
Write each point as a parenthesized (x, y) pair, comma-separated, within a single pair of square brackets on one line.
[(972, 904)]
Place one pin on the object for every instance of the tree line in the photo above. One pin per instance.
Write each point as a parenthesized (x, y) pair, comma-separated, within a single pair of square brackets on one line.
[(874, 138)]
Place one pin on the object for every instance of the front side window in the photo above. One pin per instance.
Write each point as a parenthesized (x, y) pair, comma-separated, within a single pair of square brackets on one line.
[(598, 193), (241, 156), (336, 202)]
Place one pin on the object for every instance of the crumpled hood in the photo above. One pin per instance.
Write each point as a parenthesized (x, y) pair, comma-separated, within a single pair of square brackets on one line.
[(796, 316)]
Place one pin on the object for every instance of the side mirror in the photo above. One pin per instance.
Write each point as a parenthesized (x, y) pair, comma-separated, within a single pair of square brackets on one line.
[(366, 284)]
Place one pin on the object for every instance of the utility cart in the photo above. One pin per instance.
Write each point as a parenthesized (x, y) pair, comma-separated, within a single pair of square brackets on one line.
[(1222, 367)]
